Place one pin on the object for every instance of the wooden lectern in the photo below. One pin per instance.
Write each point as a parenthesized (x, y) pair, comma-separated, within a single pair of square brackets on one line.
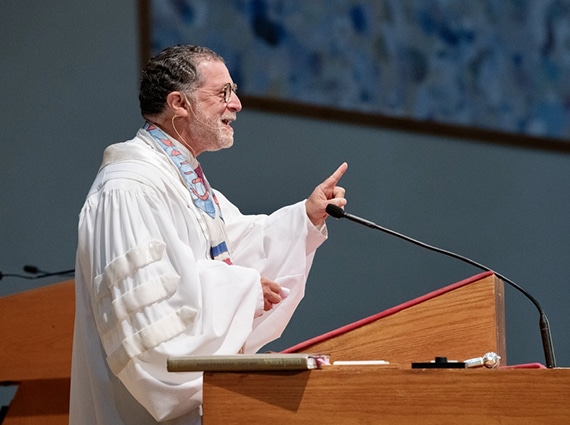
[(461, 321), (35, 353)]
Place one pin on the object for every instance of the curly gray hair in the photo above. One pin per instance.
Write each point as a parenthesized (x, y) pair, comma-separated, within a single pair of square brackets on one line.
[(173, 69)]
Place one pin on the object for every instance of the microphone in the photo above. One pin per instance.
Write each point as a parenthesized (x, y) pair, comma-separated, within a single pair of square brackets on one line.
[(38, 274), (337, 212)]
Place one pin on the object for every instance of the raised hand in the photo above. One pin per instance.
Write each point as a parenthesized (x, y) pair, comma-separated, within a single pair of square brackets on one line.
[(326, 193)]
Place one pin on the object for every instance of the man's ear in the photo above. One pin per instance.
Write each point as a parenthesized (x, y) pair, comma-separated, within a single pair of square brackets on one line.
[(178, 104)]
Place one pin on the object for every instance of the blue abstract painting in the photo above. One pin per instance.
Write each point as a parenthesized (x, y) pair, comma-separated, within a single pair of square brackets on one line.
[(492, 64)]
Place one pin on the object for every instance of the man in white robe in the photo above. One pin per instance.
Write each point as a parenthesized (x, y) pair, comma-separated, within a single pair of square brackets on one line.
[(166, 266)]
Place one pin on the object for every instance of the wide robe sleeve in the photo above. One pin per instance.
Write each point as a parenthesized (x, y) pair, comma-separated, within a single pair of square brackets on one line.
[(281, 247), (153, 293)]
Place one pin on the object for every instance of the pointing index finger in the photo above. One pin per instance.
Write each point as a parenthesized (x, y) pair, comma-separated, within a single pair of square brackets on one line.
[(337, 175)]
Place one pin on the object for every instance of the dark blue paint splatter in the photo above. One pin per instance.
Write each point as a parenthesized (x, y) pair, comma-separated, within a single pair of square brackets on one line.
[(270, 32), (184, 10), (358, 18)]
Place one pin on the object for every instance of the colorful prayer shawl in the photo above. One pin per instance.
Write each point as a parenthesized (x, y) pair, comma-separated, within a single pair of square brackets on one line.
[(202, 194)]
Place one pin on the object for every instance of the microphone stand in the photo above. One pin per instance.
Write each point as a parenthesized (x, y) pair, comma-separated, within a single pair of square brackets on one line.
[(37, 273)]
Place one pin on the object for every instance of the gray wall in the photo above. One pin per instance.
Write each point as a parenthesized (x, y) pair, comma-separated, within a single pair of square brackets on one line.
[(68, 86)]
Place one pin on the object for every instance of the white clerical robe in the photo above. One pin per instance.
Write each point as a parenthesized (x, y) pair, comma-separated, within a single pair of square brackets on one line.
[(146, 288)]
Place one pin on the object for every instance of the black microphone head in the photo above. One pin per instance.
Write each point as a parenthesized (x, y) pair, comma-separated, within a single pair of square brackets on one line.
[(31, 269), (334, 211)]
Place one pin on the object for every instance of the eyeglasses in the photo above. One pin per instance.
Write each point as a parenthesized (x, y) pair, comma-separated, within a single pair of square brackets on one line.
[(227, 91)]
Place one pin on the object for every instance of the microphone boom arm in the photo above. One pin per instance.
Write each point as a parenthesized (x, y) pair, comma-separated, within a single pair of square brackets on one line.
[(545, 333)]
